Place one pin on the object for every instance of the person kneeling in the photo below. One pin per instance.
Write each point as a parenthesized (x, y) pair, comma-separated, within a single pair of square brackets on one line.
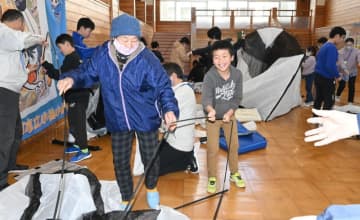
[(177, 151)]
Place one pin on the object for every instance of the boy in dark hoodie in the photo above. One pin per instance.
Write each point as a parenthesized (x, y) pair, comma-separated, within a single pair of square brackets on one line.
[(77, 99)]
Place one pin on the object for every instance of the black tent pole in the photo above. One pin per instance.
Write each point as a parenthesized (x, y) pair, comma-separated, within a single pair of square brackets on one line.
[(226, 167), (283, 94), (201, 199), (62, 180), (59, 197), (129, 206)]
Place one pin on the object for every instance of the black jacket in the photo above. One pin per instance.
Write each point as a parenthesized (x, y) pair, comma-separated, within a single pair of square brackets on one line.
[(158, 55), (71, 61)]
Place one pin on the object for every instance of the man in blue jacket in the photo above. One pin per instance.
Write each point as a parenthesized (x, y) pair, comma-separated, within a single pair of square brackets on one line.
[(326, 71), (137, 93), (85, 26), (83, 30)]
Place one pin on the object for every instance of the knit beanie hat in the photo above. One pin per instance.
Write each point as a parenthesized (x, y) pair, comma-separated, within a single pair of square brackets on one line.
[(125, 25)]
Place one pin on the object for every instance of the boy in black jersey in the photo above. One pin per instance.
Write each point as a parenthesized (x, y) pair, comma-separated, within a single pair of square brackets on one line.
[(77, 99)]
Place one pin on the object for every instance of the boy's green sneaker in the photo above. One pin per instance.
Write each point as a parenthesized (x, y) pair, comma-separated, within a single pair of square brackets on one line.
[(211, 187), (236, 178)]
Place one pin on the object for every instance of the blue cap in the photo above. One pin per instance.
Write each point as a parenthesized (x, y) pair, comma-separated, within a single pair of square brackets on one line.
[(125, 25)]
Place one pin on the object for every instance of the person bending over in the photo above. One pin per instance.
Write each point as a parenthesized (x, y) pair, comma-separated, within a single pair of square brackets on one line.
[(137, 95), (13, 76)]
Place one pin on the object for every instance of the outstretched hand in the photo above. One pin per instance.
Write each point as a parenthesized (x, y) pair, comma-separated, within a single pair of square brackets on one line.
[(333, 125), (64, 85)]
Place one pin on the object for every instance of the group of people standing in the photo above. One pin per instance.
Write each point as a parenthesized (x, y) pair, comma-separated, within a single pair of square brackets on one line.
[(15, 69), (328, 66), (139, 93)]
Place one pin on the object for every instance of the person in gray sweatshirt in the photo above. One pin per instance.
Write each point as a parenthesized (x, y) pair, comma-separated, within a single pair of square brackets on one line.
[(348, 63), (221, 95), (308, 67)]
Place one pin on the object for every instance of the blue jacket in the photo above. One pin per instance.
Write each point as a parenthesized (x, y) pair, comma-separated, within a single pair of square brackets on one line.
[(326, 61), (81, 48), (135, 97)]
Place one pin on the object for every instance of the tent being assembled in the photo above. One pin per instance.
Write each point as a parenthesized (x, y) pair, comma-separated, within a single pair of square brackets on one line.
[(270, 62), (83, 197)]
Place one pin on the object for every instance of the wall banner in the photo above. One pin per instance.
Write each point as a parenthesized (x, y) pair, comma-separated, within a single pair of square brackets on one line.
[(40, 105)]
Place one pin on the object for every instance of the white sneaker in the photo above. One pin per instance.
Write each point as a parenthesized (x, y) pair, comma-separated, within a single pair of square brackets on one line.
[(90, 135), (309, 104), (71, 138)]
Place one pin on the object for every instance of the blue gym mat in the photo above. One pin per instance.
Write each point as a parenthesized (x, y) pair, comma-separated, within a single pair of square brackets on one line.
[(248, 140)]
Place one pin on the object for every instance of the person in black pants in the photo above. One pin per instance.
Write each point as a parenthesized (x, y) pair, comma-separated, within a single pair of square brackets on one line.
[(13, 76), (326, 71), (349, 61), (136, 94), (77, 99), (214, 34), (177, 152)]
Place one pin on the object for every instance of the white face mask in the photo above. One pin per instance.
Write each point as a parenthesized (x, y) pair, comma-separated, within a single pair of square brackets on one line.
[(348, 47), (124, 50)]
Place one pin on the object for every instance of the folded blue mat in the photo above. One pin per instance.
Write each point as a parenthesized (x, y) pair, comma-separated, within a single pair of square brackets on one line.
[(248, 140)]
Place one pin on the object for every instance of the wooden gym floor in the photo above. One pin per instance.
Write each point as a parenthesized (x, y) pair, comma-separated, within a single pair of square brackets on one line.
[(289, 178)]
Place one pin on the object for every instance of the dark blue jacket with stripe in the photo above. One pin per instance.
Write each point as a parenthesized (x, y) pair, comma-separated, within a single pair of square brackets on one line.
[(136, 95)]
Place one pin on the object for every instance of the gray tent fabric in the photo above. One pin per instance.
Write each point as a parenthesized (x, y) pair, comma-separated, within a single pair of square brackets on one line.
[(265, 90), (93, 103), (254, 65), (270, 64), (78, 200)]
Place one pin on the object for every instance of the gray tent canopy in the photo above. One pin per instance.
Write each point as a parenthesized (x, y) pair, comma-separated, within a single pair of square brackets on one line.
[(270, 62)]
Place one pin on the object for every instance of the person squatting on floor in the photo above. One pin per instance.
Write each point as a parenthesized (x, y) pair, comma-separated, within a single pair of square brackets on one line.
[(137, 93), (177, 151), (77, 99), (221, 95)]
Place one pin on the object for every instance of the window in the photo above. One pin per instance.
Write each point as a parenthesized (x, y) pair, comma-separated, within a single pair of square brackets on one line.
[(168, 10), (233, 4), (180, 10)]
